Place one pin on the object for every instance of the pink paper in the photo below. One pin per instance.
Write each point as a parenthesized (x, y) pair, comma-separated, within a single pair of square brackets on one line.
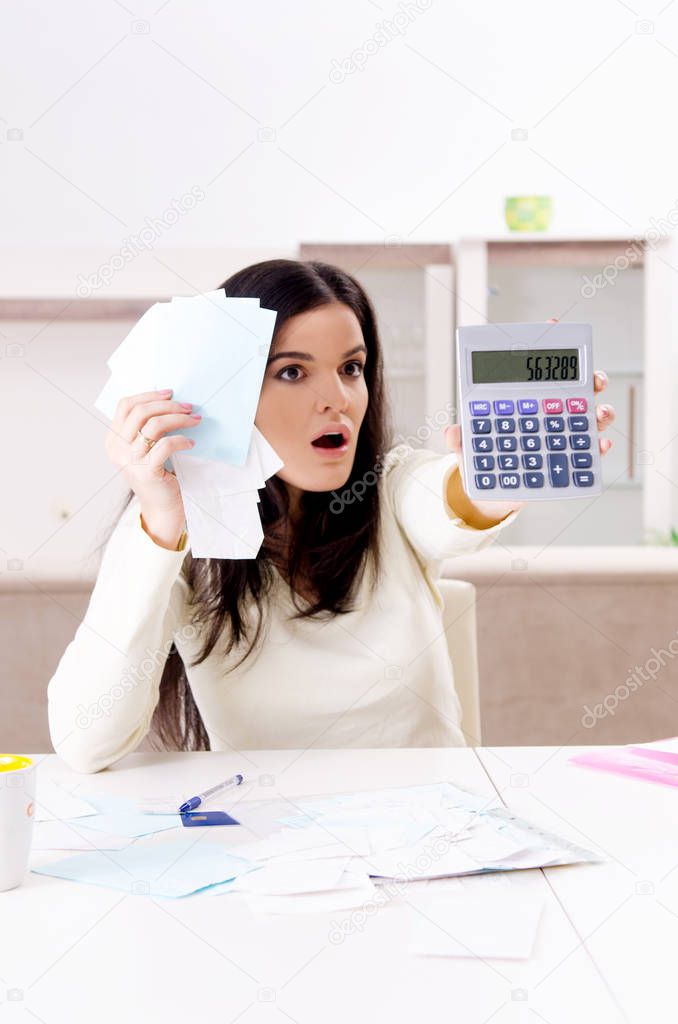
[(650, 764)]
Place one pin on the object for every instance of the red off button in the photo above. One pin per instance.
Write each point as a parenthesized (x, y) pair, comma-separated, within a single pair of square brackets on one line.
[(551, 406), (577, 405)]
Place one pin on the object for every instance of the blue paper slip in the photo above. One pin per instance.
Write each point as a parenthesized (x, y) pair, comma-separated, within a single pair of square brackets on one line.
[(120, 817), (191, 818), (169, 869)]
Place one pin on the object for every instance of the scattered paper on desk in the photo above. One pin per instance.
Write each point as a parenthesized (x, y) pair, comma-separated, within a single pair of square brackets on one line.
[(119, 816), (485, 924), (67, 835), (288, 879), (56, 803), (212, 351), (170, 869), (434, 831)]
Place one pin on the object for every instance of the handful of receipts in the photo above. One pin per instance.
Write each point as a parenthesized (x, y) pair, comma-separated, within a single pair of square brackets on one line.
[(212, 351)]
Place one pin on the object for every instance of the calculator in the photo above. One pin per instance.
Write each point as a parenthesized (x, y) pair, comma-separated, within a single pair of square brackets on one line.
[(527, 411)]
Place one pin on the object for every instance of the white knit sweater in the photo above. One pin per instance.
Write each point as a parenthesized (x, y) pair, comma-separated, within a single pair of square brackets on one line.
[(379, 676)]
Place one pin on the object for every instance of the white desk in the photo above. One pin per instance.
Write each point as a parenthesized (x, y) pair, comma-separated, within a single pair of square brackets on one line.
[(605, 952)]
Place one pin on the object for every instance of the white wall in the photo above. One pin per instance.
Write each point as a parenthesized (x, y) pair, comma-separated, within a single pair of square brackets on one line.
[(112, 112), (118, 123)]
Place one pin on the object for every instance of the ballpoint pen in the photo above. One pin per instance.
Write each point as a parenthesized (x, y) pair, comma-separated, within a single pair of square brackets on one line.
[(195, 801)]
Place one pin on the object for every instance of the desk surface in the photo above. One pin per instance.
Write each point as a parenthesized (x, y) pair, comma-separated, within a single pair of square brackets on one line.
[(605, 951)]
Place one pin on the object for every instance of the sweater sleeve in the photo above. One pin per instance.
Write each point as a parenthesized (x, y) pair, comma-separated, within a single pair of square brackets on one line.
[(416, 485), (103, 694)]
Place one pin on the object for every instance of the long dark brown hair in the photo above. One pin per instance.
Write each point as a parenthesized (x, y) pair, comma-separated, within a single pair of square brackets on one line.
[(327, 550)]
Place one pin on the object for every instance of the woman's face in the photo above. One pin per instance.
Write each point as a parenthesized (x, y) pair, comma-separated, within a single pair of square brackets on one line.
[(314, 391)]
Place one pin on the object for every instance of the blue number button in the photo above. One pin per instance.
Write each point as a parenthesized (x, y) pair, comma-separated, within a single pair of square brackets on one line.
[(484, 462), (580, 442), (481, 426), (530, 443), (582, 478), (506, 444), (485, 481), (507, 426), (581, 460), (508, 461), (558, 472), (532, 461), (578, 422), (479, 408), (509, 480), (528, 406), (554, 424), (529, 425), (555, 442), (533, 479), (482, 444), (503, 407)]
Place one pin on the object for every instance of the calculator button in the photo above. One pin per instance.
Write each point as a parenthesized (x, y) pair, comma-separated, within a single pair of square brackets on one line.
[(530, 443), (509, 480), (554, 424), (555, 442), (533, 479), (479, 408), (504, 407), (486, 481), (506, 444), (580, 442), (558, 472), (481, 426), (533, 461), (577, 405), (508, 461), (529, 425), (482, 444), (484, 462), (528, 406), (583, 478), (552, 406), (578, 422), (507, 426), (581, 460)]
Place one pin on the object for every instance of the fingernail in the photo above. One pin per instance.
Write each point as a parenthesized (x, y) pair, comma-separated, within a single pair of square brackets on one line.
[(166, 391), (186, 405)]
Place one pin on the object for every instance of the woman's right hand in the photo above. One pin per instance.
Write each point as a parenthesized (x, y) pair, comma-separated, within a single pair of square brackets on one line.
[(154, 414)]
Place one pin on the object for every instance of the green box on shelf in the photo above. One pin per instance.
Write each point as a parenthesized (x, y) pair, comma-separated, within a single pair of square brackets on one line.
[(528, 213)]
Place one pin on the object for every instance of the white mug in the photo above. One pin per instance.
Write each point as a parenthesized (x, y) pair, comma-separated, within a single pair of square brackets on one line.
[(17, 807)]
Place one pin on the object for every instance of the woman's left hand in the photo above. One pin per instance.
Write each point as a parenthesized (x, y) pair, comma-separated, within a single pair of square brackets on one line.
[(498, 510)]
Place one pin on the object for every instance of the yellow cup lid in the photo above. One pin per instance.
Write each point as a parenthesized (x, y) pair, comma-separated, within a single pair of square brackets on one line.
[(14, 762)]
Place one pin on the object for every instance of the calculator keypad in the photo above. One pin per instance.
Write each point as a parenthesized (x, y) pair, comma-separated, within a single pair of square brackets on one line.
[(560, 426)]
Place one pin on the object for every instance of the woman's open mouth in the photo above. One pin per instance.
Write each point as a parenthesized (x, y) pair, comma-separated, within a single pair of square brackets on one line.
[(332, 443)]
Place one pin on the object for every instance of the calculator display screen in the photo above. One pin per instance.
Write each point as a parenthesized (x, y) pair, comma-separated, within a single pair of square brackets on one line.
[(525, 365)]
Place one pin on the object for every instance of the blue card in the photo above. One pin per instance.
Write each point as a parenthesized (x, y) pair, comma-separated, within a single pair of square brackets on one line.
[(190, 818)]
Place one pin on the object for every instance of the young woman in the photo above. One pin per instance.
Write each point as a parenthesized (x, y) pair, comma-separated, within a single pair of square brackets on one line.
[(332, 636)]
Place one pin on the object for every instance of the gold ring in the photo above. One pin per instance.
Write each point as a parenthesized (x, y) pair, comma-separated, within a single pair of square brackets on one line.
[(147, 441)]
